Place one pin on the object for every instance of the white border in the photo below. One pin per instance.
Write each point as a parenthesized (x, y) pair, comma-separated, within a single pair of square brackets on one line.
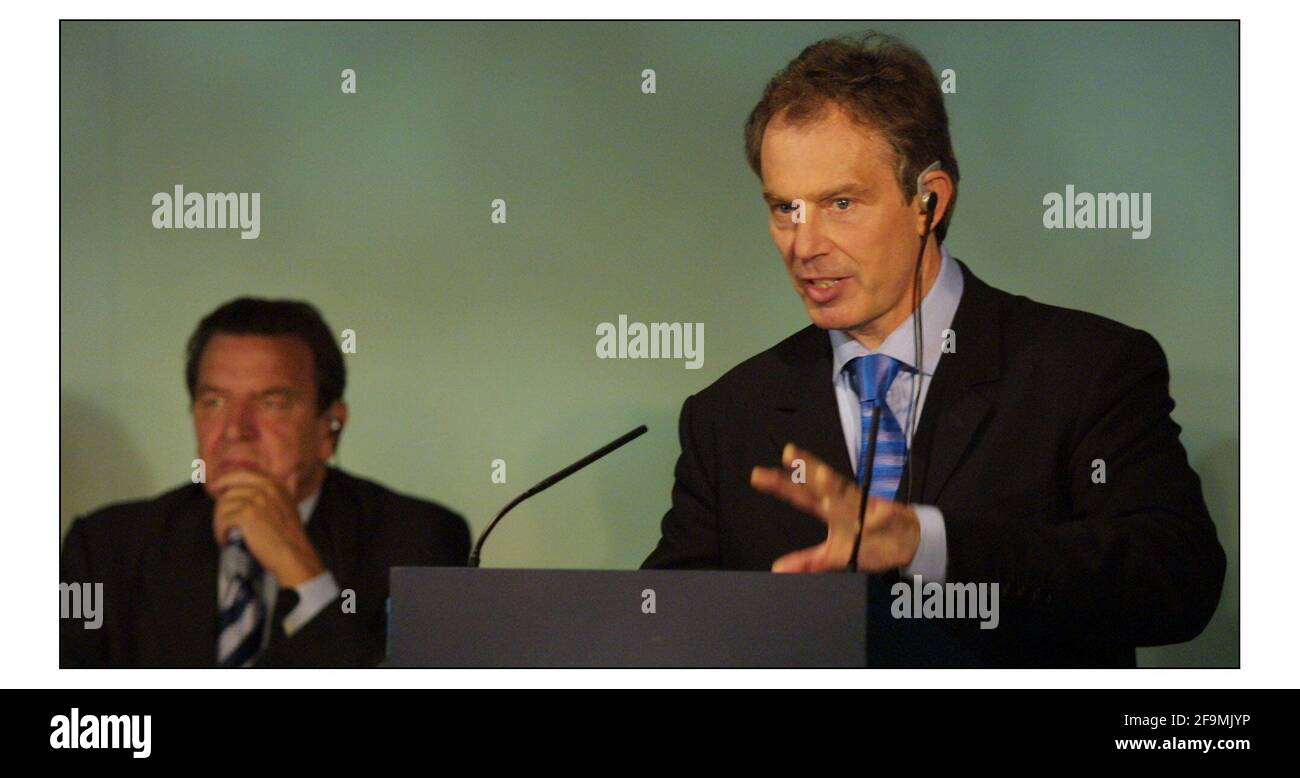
[(29, 390)]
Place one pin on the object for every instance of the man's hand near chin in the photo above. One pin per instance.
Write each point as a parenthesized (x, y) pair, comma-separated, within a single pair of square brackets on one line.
[(266, 516), (890, 532)]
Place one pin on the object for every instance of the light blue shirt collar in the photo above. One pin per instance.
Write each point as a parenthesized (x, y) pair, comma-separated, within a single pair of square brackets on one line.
[(937, 310)]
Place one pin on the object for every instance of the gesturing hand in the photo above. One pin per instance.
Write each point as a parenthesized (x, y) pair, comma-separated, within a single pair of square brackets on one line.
[(890, 532)]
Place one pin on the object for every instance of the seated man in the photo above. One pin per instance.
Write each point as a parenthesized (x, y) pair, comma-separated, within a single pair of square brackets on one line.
[(275, 559), (1022, 445)]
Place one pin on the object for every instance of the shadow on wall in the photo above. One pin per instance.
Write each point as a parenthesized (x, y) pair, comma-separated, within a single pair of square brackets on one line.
[(1220, 644), (98, 461)]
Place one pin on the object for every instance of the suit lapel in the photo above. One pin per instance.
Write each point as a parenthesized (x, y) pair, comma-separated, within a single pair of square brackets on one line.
[(955, 406), (805, 411), (332, 528), (182, 574)]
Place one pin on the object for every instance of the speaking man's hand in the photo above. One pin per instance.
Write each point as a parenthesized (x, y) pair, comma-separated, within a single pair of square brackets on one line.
[(890, 535), (265, 514)]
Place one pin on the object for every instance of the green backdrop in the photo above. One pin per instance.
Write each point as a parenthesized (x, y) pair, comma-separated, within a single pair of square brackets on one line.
[(476, 341)]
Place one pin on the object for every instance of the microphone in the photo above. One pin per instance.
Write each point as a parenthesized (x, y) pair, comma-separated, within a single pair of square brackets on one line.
[(866, 485), (550, 481)]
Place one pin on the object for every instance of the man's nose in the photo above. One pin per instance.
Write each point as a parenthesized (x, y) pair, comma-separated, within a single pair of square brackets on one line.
[(241, 424), (809, 237)]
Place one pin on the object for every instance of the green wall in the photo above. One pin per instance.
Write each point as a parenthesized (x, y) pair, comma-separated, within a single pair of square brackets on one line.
[(476, 341)]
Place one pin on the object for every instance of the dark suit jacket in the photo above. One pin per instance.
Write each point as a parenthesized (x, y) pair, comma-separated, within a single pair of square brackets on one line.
[(1005, 446), (158, 563)]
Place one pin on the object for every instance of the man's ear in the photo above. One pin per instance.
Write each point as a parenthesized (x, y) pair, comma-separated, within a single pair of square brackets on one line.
[(335, 419)]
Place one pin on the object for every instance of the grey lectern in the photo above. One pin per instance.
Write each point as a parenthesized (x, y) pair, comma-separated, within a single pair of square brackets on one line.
[(464, 617)]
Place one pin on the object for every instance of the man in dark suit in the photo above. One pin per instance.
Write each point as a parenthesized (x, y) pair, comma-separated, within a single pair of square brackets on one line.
[(1024, 445), (272, 558)]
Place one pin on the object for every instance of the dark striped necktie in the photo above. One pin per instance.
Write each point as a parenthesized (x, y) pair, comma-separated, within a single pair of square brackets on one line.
[(239, 631)]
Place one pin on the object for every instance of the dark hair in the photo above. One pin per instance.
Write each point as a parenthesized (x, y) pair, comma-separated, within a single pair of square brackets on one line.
[(883, 83), (257, 316)]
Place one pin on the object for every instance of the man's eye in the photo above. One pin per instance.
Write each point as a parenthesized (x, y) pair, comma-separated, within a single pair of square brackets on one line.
[(846, 203), (783, 208), (275, 403), (209, 401)]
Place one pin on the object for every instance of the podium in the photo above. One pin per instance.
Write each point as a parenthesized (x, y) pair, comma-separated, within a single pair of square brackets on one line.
[(463, 618)]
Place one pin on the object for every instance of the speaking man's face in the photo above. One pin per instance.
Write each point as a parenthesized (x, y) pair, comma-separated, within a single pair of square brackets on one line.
[(255, 409), (852, 259)]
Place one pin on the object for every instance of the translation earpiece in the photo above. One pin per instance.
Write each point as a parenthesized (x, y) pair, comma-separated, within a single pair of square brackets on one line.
[(928, 198)]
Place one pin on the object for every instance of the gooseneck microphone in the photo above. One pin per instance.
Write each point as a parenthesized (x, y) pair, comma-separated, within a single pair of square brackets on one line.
[(550, 481)]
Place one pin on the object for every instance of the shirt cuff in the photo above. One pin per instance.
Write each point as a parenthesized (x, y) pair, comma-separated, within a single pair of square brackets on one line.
[(931, 560), (313, 596)]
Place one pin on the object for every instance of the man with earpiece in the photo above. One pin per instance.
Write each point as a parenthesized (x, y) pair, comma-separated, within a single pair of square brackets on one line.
[(272, 557), (928, 427)]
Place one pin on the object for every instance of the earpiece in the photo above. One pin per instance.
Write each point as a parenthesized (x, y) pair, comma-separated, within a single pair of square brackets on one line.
[(335, 425), (928, 198)]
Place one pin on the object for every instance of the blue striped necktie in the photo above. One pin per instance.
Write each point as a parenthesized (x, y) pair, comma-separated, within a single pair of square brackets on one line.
[(871, 377), (239, 630)]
